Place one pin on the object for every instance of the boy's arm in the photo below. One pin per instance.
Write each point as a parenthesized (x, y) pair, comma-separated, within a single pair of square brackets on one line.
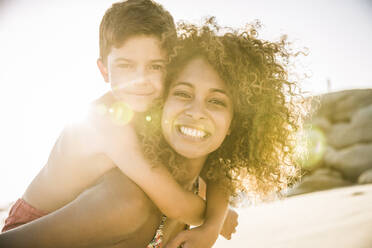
[(121, 145), (213, 216), (217, 206), (158, 183)]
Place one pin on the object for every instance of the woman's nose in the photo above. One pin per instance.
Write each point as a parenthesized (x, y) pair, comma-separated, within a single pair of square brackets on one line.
[(196, 110)]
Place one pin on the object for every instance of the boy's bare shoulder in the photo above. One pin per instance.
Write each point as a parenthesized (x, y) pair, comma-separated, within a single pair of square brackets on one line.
[(104, 124), (105, 100), (86, 136), (97, 133)]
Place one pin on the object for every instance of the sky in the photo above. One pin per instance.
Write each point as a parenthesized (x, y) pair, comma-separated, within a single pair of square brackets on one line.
[(49, 49)]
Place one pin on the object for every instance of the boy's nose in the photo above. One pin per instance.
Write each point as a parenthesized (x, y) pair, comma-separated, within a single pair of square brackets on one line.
[(141, 77)]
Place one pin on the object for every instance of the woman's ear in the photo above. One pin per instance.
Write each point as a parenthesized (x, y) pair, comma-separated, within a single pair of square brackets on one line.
[(103, 69)]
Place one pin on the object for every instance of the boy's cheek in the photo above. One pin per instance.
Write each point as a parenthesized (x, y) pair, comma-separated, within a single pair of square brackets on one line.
[(159, 85), (120, 78)]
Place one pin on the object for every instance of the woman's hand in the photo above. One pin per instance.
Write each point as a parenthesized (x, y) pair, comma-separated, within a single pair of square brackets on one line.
[(230, 224), (198, 237)]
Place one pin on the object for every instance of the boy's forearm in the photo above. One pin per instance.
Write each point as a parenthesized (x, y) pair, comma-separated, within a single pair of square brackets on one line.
[(190, 209), (173, 200), (160, 186)]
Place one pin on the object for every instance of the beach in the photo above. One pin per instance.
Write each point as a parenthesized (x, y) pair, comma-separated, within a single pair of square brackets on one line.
[(339, 218)]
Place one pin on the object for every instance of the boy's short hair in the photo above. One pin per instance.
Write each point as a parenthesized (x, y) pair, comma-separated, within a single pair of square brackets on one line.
[(135, 17)]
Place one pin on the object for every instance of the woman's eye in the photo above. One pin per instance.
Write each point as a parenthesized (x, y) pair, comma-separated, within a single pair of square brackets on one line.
[(182, 94), (156, 67), (218, 102)]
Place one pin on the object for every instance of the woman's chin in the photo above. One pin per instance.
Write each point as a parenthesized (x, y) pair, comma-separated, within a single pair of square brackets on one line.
[(190, 154)]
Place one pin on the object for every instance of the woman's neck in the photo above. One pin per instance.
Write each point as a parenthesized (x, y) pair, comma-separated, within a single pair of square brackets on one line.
[(194, 167)]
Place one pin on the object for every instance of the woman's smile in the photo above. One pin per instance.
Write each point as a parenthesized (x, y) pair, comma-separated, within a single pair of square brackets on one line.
[(193, 133), (198, 110)]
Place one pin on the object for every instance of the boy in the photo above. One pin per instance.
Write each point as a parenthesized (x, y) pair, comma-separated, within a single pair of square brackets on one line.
[(135, 37)]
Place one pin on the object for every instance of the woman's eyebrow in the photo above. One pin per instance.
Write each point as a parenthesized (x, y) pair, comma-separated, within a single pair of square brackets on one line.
[(183, 83), (158, 61), (224, 92), (218, 90)]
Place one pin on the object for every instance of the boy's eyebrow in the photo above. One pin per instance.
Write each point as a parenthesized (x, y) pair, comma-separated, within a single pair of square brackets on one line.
[(129, 60), (122, 60)]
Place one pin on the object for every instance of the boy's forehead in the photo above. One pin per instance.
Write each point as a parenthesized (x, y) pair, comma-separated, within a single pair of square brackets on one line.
[(139, 46)]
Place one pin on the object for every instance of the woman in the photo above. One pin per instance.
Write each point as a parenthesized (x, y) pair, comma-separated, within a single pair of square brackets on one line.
[(226, 94)]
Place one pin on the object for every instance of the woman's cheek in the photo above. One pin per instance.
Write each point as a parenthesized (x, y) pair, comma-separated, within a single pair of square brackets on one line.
[(223, 122)]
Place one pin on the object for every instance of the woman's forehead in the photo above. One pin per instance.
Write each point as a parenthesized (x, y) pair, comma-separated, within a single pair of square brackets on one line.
[(199, 73)]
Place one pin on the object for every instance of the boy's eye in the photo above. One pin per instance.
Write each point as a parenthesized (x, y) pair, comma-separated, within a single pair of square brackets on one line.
[(182, 94), (125, 66), (218, 102)]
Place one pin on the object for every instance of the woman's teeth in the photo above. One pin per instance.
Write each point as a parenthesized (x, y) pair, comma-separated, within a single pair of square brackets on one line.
[(195, 133)]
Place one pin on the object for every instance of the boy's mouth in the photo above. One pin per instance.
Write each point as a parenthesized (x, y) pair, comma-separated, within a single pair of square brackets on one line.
[(136, 90), (142, 93)]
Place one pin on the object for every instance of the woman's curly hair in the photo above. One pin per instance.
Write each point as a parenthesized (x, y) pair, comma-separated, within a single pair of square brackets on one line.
[(257, 158)]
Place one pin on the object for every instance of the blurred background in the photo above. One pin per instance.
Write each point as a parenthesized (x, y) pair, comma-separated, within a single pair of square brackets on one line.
[(48, 52)]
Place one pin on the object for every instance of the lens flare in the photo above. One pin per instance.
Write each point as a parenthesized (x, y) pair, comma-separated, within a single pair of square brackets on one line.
[(120, 113), (311, 146)]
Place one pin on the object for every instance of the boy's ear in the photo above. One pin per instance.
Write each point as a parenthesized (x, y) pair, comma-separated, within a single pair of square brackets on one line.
[(103, 69)]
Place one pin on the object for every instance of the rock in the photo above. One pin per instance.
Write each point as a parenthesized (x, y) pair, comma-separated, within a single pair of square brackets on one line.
[(363, 116), (365, 177), (321, 123), (320, 179), (338, 135), (351, 161), (340, 106), (359, 130)]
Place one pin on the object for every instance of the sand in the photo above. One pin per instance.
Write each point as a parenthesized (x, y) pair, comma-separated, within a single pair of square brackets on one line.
[(339, 218)]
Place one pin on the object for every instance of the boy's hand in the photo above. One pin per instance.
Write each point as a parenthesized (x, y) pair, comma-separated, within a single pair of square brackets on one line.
[(198, 237), (230, 224)]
